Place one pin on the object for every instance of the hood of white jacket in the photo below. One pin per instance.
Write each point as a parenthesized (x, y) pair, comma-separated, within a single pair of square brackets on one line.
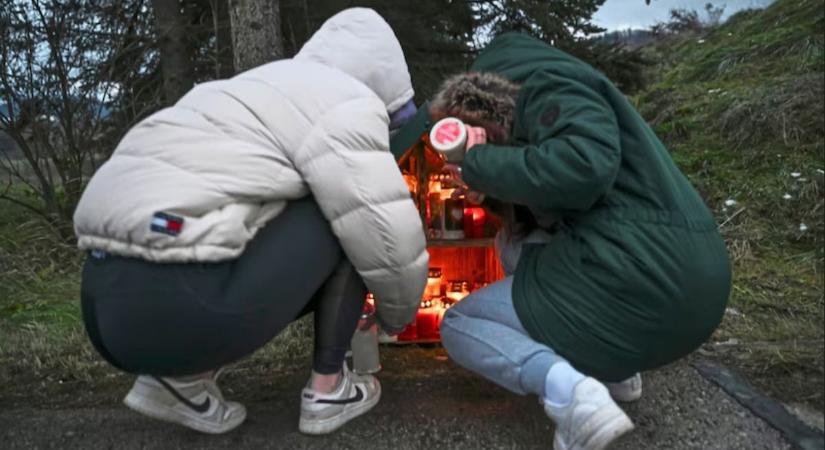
[(360, 43)]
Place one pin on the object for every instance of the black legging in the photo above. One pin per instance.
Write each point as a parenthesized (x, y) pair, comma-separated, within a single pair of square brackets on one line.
[(185, 319)]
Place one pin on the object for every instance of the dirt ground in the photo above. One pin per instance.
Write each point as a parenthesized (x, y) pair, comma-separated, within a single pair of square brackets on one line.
[(428, 403)]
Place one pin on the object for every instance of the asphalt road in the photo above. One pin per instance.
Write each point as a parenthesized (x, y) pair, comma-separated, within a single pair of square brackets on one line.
[(428, 403)]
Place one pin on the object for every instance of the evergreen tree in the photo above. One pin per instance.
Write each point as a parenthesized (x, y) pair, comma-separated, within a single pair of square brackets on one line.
[(566, 24), (558, 22), (442, 37), (436, 35)]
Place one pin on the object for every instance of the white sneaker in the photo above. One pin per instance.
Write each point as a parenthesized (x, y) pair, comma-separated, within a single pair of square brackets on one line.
[(197, 404), (591, 421), (629, 390), (325, 413)]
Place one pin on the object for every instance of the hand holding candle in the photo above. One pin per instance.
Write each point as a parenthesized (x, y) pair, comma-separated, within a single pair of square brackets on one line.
[(475, 136), (471, 196), (452, 138), (474, 197)]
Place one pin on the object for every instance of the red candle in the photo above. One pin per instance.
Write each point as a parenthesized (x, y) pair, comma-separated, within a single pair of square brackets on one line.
[(474, 220), (479, 220), (427, 321), (409, 334), (468, 223)]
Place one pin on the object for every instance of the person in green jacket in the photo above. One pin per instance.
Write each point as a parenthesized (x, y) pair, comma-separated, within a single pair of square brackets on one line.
[(617, 264)]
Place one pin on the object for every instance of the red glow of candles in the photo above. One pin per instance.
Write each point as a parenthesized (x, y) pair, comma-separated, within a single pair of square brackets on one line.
[(474, 220), (410, 333)]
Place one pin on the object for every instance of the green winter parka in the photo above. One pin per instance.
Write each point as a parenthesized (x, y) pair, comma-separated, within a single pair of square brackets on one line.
[(639, 276)]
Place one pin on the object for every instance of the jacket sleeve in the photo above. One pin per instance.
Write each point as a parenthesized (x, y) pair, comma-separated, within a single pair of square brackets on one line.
[(349, 169), (572, 157)]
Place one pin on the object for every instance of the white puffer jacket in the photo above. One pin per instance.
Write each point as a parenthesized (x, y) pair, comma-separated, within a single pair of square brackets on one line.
[(230, 154)]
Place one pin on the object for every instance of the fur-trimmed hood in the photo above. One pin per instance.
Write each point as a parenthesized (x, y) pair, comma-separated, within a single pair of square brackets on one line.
[(479, 98)]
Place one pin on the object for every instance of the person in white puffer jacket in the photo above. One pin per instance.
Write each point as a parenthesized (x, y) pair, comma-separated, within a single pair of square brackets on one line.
[(223, 218)]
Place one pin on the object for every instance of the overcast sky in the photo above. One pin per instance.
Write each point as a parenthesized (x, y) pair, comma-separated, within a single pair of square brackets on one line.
[(623, 14)]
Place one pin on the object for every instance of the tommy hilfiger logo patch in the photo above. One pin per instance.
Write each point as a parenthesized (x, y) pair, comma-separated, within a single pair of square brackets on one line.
[(167, 224)]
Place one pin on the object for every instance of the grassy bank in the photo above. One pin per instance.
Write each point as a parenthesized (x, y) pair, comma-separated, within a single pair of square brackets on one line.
[(741, 108)]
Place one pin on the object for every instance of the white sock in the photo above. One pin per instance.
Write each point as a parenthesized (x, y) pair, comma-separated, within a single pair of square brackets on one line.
[(561, 379)]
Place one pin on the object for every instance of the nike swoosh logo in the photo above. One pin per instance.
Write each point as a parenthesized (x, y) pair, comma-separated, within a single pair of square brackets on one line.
[(359, 395), (198, 408)]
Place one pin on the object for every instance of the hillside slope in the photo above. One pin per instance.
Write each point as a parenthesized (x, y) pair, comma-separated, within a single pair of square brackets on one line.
[(741, 109)]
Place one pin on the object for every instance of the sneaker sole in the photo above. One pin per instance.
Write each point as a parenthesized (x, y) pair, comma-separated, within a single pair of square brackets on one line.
[(162, 412), (627, 397), (330, 424), (609, 424)]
